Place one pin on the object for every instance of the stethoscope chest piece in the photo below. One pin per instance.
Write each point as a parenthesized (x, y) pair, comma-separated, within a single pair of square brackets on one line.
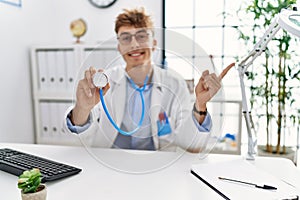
[(100, 79)]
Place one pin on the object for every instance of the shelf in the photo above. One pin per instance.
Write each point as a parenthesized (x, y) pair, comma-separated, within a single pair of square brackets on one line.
[(68, 96), (54, 74)]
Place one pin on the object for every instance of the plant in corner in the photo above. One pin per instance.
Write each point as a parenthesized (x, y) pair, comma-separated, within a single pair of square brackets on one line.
[(30, 184), (275, 77)]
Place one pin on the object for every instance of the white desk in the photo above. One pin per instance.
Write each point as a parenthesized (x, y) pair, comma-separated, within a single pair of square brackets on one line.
[(169, 176)]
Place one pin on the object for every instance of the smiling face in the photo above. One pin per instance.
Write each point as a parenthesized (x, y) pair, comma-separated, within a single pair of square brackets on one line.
[(136, 46)]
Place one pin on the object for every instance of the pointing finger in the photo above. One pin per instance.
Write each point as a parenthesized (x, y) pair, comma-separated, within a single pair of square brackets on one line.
[(224, 72), (205, 73)]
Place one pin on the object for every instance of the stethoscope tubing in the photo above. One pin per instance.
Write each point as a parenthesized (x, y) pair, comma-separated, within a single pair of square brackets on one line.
[(140, 90)]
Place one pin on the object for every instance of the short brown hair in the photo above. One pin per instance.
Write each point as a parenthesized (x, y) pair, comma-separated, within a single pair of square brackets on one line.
[(135, 17)]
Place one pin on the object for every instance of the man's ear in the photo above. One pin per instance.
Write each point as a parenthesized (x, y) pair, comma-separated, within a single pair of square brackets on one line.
[(154, 44), (119, 48)]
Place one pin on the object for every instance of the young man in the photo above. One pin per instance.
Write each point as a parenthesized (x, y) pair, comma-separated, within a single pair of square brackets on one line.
[(171, 119)]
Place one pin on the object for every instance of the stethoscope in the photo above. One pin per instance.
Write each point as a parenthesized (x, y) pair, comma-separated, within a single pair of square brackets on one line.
[(100, 80)]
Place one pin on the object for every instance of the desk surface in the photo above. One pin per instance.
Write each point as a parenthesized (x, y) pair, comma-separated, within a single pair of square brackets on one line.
[(115, 174)]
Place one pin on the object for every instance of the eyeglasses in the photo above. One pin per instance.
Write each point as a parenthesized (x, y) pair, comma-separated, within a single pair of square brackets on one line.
[(140, 37)]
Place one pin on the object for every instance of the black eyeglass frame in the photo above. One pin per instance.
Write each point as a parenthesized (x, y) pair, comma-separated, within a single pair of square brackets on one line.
[(133, 35)]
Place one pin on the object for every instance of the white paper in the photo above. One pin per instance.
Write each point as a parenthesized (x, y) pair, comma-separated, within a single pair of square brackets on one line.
[(244, 171)]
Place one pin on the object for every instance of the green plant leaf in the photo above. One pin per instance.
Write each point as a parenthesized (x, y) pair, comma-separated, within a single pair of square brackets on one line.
[(29, 180)]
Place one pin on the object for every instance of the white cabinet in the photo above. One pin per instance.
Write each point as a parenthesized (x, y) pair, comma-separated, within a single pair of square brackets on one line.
[(55, 73)]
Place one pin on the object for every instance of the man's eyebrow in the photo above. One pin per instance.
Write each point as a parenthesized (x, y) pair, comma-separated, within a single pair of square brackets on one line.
[(125, 33), (139, 31)]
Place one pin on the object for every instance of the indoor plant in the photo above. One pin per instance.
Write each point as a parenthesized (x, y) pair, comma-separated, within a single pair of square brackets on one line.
[(30, 184), (274, 78)]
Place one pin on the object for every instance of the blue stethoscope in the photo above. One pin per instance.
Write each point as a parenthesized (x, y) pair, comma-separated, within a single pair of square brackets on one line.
[(140, 90)]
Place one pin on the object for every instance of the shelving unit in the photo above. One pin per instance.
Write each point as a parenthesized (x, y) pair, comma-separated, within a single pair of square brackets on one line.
[(55, 72)]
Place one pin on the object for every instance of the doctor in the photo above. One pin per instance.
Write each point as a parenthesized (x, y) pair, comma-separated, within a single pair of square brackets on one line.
[(171, 119)]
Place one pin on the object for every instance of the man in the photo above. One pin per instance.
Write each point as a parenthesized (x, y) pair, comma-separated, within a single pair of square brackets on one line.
[(170, 121)]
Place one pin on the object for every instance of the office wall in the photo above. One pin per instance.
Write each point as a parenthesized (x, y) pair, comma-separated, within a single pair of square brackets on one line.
[(43, 22)]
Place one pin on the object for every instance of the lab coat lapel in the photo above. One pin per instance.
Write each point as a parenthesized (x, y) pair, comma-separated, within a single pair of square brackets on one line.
[(118, 98)]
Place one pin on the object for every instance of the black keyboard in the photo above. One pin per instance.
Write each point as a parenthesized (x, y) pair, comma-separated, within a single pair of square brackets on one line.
[(15, 162)]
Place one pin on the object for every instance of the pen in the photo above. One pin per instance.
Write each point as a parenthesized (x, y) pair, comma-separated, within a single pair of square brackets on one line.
[(266, 187)]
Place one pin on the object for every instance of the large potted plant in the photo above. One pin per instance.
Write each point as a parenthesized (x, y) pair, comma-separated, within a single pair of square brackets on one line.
[(274, 75), (30, 184)]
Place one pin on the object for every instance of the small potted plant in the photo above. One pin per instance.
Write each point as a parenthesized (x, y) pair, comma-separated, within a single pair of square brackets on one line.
[(30, 184)]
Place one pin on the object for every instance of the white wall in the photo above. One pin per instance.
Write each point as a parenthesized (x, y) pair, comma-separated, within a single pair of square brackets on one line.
[(43, 22)]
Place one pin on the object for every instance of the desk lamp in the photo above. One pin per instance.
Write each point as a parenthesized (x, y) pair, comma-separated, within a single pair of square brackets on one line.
[(288, 20)]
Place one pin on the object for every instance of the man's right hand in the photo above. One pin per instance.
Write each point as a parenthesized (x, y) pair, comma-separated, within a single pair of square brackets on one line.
[(87, 96)]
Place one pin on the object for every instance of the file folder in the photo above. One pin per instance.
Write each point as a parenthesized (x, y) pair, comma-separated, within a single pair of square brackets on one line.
[(71, 69), (61, 70), (62, 109), (54, 118), (51, 57), (42, 70), (110, 58), (95, 58), (45, 119)]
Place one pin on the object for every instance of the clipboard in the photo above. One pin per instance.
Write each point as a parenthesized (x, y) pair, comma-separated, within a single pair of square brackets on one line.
[(242, 170)]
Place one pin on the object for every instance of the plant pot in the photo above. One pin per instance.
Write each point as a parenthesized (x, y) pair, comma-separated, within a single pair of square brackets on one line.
[(41, 194), (290, 153)]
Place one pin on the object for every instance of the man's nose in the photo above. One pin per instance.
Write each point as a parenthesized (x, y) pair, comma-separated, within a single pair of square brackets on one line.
[(134, 42)]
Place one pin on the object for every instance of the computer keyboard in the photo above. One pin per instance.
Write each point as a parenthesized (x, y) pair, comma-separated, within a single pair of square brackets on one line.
[(15, 162)]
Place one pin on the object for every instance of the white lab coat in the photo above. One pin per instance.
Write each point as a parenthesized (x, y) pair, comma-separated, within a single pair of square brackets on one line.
[(169, 93)]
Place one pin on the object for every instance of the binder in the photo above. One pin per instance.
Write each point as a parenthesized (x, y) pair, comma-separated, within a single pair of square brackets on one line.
[(52, 72), (87, 58), (45, 119), (61, 70), (240, 169), (100, 59), (42, 70), (111, 57), (95, 58), (62, 108), (54, 120), (70, 69)]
